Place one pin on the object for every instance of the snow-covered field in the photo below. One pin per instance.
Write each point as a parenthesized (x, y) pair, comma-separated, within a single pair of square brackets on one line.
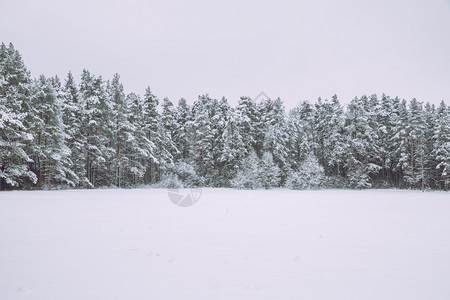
[(278, 244)]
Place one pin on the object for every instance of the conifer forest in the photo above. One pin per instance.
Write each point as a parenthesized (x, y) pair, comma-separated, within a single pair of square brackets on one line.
[(87, 133)]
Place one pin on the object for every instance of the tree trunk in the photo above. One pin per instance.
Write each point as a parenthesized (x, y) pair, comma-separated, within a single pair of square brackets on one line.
[(150, 171), (2, 180), (423, 183), (412, 156), (118, 162)]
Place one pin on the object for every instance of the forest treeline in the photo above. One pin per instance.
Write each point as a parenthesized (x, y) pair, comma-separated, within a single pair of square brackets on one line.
[(64, 134)]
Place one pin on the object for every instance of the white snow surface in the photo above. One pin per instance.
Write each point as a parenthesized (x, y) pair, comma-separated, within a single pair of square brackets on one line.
[(277, 244)]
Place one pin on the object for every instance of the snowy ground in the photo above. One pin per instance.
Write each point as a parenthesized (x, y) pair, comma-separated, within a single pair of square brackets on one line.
[(136, 244)]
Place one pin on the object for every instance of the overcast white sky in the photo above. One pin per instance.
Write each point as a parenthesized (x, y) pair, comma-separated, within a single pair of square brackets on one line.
[(296, 50)]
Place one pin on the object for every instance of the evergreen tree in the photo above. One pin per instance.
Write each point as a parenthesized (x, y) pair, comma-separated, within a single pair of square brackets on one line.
[(276, 138), (330, 130), (430, 141), (362, 148), (15, 139), (234, 148), (308, 117), (386, 116), (97, 126), (414, 174), (220, 122), (72, 113), (122, 132), (138, 146), (204, 134), (150, 121), (167, 130), (169, 120), (299, 143), (442, 145), (399, 140), (183, 126), (51, 153), (249, 121)]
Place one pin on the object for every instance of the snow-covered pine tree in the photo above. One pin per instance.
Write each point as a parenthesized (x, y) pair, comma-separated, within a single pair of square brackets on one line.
[(430, 140), (72, 112), (442, 145), (122, 134), (168, 118), (51, 154), (150, 121), (299, 139), (204, 133), (15, 139), (138, 146), (308, 116), (399, 153), (219, 121), (372, 106), (182, 134), (276, 138), (386, 115), (361, 136), (414, 174), (184, 165), (234, 148), (167, 129), (322, 112), (330, 131), (97, 126), (249, 124), (296, 138)]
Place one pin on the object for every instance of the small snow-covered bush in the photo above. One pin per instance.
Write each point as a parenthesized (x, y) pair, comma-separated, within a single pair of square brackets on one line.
[(309, 176), (170, 182), (334, 182), (360, 180), (186, 173), (295, 181), (269, 172), (359, 174), (247, 176), (255, 173)]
